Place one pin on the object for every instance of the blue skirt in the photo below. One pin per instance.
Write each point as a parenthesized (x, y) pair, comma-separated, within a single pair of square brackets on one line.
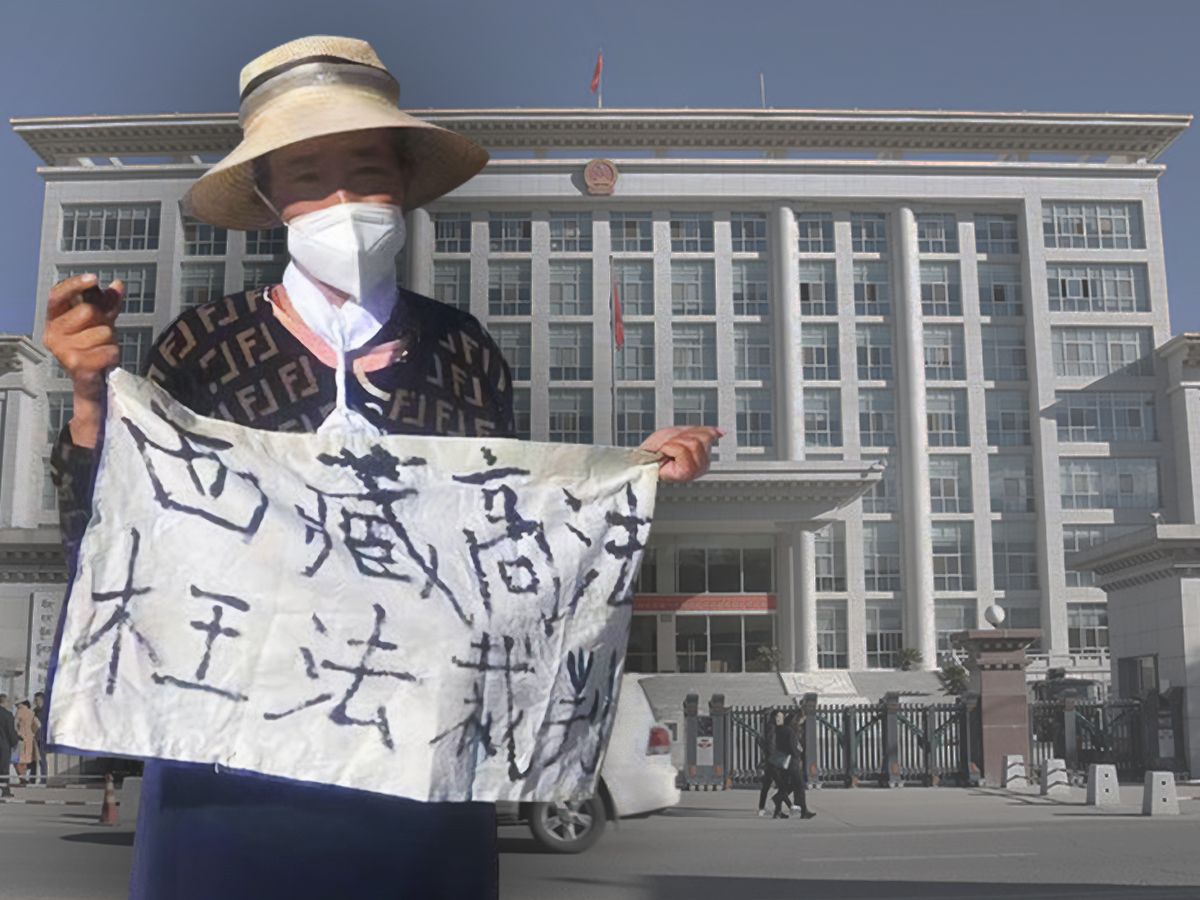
[(213, 835)]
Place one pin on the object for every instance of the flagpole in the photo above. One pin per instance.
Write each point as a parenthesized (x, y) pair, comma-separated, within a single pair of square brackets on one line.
[(600, 91), (612, 328)]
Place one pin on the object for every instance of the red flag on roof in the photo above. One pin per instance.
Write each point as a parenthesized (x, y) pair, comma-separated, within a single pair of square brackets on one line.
[(618, 323), (596, 74)]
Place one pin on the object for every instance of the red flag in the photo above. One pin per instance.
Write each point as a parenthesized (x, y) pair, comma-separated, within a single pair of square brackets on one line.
[(618, 323), (599, 69)]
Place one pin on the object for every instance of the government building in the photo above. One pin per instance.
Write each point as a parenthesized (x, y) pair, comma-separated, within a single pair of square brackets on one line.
[(931, 336)]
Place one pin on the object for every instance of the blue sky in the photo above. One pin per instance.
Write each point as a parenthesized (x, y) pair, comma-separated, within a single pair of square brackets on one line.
[(125, 57)]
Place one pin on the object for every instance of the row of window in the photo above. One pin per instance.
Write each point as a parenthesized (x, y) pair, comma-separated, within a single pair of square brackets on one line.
[(199, 282), (90, 229)]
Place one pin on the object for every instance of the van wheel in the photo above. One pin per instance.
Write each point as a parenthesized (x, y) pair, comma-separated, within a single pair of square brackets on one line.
[(568, 827)]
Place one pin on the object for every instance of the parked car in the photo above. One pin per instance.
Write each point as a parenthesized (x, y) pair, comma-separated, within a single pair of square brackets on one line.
[(637, 778)]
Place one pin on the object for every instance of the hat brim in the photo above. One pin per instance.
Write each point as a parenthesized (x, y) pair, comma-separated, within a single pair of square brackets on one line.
[(439, 160)]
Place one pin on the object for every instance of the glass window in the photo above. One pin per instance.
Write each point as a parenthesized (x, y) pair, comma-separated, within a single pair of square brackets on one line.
[(1093, 352), (516, 344), (202, 283), (60, 409), (452, 232), (999, 290), (876, 418), (135, 347), (1007, 418), (1096, 226), (635, 283), (941, 293), (570, 232), (1004, 353), (1087, 627), (872, 293), (691, 643), (818, 289), (1014, 556), (950, 484), (570, 416), (641, 653), (140, 283), (874, 352), (49, 491), (722, 564), (832, 641), (822, 418), (885, 635), (509, 288), (819, 352), (1104, 416), (1010, 484), (452, 284), (997, 234), (254, 275), (754, 418), (830, 557), (749, 232), (1081, 537), (202, 239), (695, 407), (760, 634), (646, 580), (267, 242), (691, 232), (950, 616), (570, 288), (1108, 483), (635, 358), (881, 556), (693, 289), (816, 232), (694, 352), (945, 354), (725, 643), (522, 419), (953, 556), (570, 352), (868, 231), (750, 295), (510, 233), (1113, 289), (937, 233), (752, 352), (635, 416), (883, 497), (631, 232), (946, 419), (97, 228)]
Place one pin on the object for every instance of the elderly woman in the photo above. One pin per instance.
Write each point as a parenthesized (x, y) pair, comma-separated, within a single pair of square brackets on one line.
[(27, 729)]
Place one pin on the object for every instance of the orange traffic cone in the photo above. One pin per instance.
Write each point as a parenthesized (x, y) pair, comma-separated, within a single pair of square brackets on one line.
[(108, 812)]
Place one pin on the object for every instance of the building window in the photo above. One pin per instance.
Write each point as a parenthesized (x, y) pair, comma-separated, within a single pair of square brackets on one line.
[(749, 232), (872, 292), (93, 228), (1109, 483), (631, 232), (816, 232), (752, 352), (874, 352), (1014, 556), (881, 556), (754, 411), (1087, 627), (452, 233), (822, 418), (691, 233), (522, 419), (635, 286), (646, 580), (254, 275), (134, 344), (997, 234), (570, 288), (1010, 484), (722, 643), (694, 352), (202, 239), (949, 617), (999, 290), (830, 557), (1093, 352), (819, 352), (693, 289), (868, 231), (832, 641), (452, 284), (1089, 416), (937, 234), (570, 352), (508, 288), (950, 484), (885, 635), (725, 565), (1004, 353), (267, 242), (695, 407), (140, 283), (946, 419), (1007, 418), (515, 343), (510, 233), (725, 644), (570, 232), (818, 290), (883, 497), (635, 416), (876, 418), (750, 295), (953, 556), (1113, 289), (570, 416), (635, 358), (691, 643), (1093, 226), (60, 409), (945, 354), (941, 293), (1081, 537), (641, 652), (201, 283)]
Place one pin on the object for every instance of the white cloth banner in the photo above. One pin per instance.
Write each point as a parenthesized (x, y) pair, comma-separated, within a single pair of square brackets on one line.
[(434, 618)]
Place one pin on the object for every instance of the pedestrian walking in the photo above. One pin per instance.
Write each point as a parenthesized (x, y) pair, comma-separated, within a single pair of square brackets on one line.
[(27, 726), (8, 743), (793, 729), (771, 773), (39, 710), (780, 762)]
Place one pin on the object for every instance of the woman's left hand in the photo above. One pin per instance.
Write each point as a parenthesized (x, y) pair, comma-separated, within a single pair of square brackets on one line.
[(685, 448)]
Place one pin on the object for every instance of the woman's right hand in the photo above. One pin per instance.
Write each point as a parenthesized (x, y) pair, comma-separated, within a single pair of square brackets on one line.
[(83, 338)]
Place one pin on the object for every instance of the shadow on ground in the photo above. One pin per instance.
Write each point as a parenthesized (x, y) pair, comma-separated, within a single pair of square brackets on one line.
[(105, 838), (706, 887)]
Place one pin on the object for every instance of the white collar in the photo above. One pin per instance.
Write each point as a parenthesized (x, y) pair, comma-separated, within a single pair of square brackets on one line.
[(343, 328)]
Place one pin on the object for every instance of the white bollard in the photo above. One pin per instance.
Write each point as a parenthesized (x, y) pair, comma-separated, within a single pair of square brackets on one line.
[(1055, 781), (1014, 772), (131, 799), (1159, 798), (1102, 788)]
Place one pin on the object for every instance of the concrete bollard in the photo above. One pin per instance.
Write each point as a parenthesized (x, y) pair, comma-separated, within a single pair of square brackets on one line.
[(1159, 798), (1055, 782), (1102, 788), (1014, 772), (131, 798)]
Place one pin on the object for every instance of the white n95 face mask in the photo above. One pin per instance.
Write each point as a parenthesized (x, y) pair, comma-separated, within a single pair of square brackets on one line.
[(349, 246)]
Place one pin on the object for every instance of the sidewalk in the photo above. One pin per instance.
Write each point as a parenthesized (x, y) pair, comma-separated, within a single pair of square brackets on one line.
[(64, 795)]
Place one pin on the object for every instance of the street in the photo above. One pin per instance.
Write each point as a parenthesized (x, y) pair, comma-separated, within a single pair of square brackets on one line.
[(864, 843)]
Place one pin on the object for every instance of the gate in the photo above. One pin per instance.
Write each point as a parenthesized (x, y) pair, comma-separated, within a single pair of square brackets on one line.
[(1083, 733)]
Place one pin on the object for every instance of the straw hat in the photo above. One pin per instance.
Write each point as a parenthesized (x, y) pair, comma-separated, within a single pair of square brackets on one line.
[(316, 86)]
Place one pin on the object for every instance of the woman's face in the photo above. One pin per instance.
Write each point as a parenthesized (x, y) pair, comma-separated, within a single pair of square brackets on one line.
[(778, 718)]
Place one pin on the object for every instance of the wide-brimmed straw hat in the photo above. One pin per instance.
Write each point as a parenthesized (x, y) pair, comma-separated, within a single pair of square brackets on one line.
[(317, 86)]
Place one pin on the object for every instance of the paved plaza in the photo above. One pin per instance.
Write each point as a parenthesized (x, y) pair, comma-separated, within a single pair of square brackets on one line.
[(864, 843)]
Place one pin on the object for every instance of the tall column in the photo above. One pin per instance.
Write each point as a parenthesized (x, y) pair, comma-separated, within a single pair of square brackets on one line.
[(787, 307), (914, 453), (420, 252), (804, 586)]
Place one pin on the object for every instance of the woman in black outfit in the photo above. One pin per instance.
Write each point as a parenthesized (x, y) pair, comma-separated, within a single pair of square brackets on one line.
[(772, 773), (791, 732)]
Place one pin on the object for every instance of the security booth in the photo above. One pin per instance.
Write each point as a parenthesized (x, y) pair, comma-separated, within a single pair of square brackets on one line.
[(707, 744)]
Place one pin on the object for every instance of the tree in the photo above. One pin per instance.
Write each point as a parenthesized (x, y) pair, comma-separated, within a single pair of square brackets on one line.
[(954, 677), (910, 658), (771, 656)]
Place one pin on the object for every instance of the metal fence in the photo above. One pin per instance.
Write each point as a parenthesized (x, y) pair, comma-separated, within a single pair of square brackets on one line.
[(1083, 733)]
